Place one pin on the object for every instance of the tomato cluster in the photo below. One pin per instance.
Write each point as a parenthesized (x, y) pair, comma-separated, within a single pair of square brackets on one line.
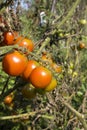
[(40, 79), (11, 38), (16, 63)]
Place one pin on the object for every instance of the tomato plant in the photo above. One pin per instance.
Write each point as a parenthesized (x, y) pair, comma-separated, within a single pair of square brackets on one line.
[(14, 63), (30, 66), (40, 77), (8, 38), (52, 85), (28, 91)]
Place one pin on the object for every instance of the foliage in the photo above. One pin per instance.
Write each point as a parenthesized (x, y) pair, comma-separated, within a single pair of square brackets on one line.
[(64, 108)]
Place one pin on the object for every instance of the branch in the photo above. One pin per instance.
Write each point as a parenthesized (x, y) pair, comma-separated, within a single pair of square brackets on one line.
[(69, 14), (53, 6), (45, 43), (59, 25), (77, 114), (21, 115)]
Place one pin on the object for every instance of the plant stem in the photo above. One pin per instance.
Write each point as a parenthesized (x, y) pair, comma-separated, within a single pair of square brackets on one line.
[(21, 115), (46, 42), (79, 115), (69, 14)]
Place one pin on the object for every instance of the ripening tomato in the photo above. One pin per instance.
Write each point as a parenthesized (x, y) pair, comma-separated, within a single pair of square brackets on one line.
[(24, 42), (52, 85), (8, 100), (14, 63), (56, 67), (40, 77), (28, 91), (27, 43), (83, 21), (81, 45), (8, 38), (32, 64)]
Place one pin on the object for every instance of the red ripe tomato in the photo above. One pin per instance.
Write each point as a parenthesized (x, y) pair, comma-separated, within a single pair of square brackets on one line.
[(40, 77), (32, 64), (14, 63), (28, 91), (8, 38)]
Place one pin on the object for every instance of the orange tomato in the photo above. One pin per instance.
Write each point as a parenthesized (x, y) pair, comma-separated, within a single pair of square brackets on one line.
[(40, 77), (28, 91), (24, 42), (14, 63), (8, 38), (8, 100), (32, 64), (52, 85), (57, 68), (82, 45), (27, 43)]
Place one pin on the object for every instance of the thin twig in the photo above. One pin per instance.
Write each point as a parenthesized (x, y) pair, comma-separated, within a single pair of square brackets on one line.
[(22, 115), (45, 43), (77, 114)]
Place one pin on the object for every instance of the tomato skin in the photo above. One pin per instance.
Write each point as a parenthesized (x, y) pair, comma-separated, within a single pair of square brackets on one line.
[(81, 45), (24, 42), (32, 64), (8, 38), (27, 43), (14, 63), (28, 91), (8, 100), (40, 77), (51, 86)]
